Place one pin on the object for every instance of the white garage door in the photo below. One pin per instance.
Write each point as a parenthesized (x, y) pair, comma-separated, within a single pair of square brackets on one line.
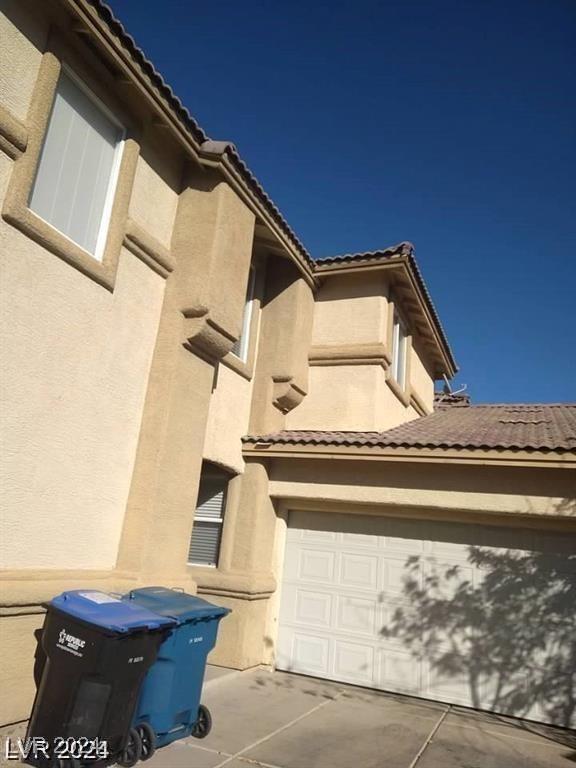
[(478, 616)]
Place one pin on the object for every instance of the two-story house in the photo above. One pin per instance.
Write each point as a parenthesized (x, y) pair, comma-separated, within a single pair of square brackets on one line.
[(190, 399)]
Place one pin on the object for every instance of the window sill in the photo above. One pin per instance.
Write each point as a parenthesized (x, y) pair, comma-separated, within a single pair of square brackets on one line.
[(402, 394), (239, 584), (239, 366), (54, 241)]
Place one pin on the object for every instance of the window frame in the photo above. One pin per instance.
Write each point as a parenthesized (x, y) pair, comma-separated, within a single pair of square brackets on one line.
[(16, 211), (400, 338), (221, 474), (112, 184), (244, 339)]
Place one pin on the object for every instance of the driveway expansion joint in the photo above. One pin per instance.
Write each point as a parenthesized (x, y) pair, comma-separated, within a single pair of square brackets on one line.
[(430, 736), (283, 728)]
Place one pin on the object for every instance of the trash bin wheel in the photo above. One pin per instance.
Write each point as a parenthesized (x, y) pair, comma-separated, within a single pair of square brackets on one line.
[(203, 725), (132, 751), (148, 740)]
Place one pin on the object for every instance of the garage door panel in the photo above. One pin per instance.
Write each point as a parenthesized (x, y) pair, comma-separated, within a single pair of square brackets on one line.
[(396, 671), (395, 571), (354, 662), (319, 537), (306, 653), (362, 540), (311, 565), (313, 608), (357, 615), (395, 544), (358, 571)]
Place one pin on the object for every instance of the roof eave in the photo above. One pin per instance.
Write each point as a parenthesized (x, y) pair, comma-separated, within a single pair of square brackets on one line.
[(219, 155), (563, 459), (394, 259)]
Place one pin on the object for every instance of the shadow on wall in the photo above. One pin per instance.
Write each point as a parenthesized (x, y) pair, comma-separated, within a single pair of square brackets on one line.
[(512, 635)]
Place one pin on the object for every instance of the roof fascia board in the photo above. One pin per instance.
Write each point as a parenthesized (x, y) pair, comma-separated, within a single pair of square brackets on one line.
[(415, 283), (438, 456), (395, 263), (99, 30)]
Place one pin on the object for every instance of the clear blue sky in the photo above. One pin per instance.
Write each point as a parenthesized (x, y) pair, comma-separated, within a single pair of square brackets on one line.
[(450, 123)]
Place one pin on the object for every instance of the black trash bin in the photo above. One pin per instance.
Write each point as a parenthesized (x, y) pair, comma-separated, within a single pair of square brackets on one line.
[(97, 651)]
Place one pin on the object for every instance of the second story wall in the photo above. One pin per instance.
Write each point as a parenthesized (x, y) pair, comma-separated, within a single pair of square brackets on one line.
[(78, 330), (352, 380)]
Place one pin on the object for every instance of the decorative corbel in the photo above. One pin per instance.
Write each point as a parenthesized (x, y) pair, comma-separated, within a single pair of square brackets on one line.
[(286, 394), (204, 337)]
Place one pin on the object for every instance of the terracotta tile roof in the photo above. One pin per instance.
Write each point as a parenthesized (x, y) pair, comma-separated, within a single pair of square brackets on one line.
[(208, 146), (527, 427)]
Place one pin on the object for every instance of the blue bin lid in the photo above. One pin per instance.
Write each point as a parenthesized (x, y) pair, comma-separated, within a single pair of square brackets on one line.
[(109, 612), (175, 604)]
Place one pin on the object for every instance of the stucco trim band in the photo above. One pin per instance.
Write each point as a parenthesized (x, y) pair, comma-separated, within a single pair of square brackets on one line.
[(468, 516), (13, 134), (350, 354), (147, 248), (239, 584), (418, 404), (387, 498)]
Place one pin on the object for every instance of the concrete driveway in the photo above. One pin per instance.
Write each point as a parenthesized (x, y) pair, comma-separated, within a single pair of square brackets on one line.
[(277, 720)]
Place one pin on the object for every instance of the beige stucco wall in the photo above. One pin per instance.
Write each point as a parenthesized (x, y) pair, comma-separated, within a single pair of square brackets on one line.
[(421, 381), (228, 417), (75, 366), (340, 397), (349, 397), (449, 488), (154, 198), (351, 309), (20, 54)]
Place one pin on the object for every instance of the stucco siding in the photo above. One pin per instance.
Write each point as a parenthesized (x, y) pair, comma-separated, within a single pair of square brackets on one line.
[(420, 380), (350, 310), (420, 489), (154, 198), (75, 368), (20, 55), (349, 397), (228, 417)]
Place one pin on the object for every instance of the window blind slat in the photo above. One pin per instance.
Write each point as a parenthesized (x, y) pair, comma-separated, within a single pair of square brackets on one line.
[(210, 501), (205, 543)]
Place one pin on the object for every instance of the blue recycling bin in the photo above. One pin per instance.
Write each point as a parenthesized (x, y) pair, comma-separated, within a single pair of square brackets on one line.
[(169, 703), (94, 653)]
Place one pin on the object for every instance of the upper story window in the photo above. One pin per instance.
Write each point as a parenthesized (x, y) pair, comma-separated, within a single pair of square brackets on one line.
[(76, 175), (242, 346), (209, 516), (399, 346)]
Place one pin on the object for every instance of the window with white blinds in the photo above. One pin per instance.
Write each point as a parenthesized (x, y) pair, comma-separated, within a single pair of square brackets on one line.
[(241, 347), (209, 517), (78, 166), (399, 342)]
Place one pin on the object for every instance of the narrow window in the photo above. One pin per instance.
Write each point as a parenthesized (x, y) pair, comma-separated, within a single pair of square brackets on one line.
[(78, 166), (209, 516), (399, 351), (241, 347)]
